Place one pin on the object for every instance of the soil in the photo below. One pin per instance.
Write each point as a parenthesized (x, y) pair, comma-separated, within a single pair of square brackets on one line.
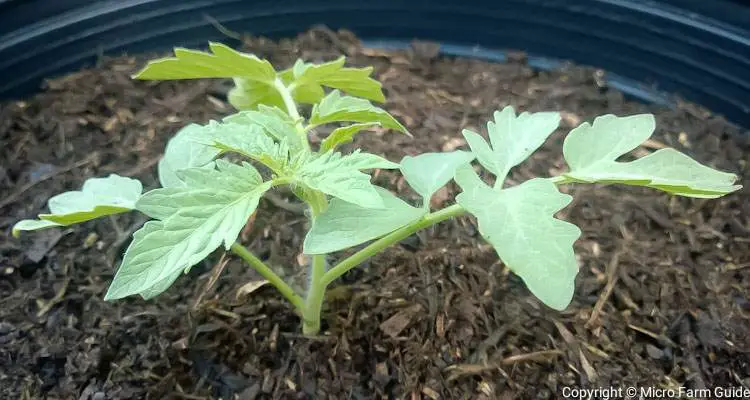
[(662, 298)]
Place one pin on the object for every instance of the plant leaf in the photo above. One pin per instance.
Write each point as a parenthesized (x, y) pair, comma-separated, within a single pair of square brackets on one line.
[(271, 120), (428, 172), (223, 63), (184, 151), (249, 141), (305, 87), (338, 108), (196, 219), (163, 203), (360, 161), (99, 197), (591, 152), (356, 82), (344, 224), (344, 134), (308, 79), (340, 176), (248, 94), (519, 224), (513, 139), (32, 225)]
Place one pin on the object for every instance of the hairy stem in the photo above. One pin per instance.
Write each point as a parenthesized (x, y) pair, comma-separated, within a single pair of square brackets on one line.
[(266, 272), (286, 95), (316, 291), (291, 109), (315, 296), (393, 237), (310, 308)]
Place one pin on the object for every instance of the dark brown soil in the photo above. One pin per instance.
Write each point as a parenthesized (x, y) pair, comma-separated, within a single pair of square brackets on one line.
[(663, 295)]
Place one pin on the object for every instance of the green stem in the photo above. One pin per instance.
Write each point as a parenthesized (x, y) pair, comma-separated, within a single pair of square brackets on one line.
[(291, 108), (316, 291), (561, 179), (266, 272), (315, 296), (286, 95), (393, 237)]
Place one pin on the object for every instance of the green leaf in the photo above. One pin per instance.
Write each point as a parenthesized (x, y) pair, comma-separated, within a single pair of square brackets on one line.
[(152, 230), (163, 203), (249, 141), (426, 173), (340, 176), (308, 78), (32, 225), (307, 89), (99, 197), (344, 225), (344, 135), (513, 139), (337, 108), (591, 152), (272, 120), (249, 95), (223, 63), (253, 77), (184, 151), (196, 219), (519, 224), (360, 161)]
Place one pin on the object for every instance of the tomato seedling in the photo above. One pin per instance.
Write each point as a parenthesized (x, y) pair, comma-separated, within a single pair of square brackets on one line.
[(206, 198)]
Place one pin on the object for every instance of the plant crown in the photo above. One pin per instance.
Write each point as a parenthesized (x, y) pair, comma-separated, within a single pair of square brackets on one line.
[(207, 196)]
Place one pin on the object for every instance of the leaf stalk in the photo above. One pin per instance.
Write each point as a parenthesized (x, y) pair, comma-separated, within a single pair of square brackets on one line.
[(266, 272), (396, 236)]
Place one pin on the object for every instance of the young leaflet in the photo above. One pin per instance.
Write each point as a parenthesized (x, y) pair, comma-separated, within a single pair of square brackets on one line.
[(207, 196)]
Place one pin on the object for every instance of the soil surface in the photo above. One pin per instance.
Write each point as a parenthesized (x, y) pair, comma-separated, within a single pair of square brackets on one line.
[(662, 298)]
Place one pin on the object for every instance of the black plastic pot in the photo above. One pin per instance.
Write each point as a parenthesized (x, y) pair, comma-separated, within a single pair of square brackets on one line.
[(697, 49)]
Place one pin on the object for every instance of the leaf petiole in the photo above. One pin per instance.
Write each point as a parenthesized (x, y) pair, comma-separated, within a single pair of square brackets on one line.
[(266, 272), (379, 245)]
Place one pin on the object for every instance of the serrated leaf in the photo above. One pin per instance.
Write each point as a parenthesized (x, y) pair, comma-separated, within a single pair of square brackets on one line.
[(344, 224), (248, 94), (303, 79), (340, 176), (223, 63), (338, 108), (161, 286), (196, 219), (519, 224), (591, 151), (513, 139), (356, 82), (163, 203), (307, 80), (428, 172), (271, 120), (344, 134), (184, 151), (99, 197), (247, 140)]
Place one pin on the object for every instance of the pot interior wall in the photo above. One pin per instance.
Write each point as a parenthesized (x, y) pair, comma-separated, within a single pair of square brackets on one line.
[(693, 49)]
